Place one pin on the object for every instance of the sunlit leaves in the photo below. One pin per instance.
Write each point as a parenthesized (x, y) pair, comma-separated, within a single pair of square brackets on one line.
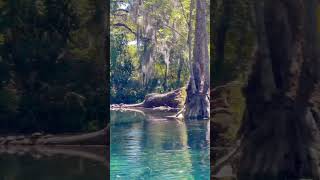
[(162, 25)]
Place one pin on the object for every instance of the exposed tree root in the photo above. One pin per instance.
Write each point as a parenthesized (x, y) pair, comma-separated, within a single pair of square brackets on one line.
[(216, 111), (225, 160)]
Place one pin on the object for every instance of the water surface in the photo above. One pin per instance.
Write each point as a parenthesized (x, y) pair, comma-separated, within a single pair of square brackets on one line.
[(151, 146), (20, 163)]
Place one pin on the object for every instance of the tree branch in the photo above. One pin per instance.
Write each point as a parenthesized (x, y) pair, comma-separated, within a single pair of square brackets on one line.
[(125, 26), (121, 10), (175, 31)]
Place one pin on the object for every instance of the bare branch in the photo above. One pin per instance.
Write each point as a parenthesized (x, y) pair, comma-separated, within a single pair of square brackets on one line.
[(121, 10), (125, 26), (175, 31)]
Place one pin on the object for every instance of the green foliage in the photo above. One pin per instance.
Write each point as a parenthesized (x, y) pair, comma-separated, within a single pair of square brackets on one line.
[(48, 66), (167, 21), (233, 21), (123, 87)]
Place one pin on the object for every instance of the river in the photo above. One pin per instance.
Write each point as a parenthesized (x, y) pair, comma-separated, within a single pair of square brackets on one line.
[(53, 163), (150, 146)]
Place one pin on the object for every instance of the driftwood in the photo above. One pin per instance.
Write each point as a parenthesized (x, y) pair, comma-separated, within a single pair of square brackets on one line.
[(94, 138)]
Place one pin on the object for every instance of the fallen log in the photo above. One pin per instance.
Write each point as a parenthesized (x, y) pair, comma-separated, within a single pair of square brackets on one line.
[(94, 138), (94, 153), (172, 100)]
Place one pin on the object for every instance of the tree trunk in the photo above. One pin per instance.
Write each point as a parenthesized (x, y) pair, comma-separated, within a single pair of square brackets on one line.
[(181, 62), (165, 84), (100, 34), (190, 40), (219, 41), (279, 132), (197, 102)]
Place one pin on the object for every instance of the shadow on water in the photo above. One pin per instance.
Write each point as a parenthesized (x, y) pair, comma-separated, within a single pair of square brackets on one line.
[(151, 146), (49, 163)]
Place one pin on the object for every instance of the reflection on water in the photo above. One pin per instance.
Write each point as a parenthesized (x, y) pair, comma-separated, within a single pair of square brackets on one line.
[(154, 147), (51, 164)]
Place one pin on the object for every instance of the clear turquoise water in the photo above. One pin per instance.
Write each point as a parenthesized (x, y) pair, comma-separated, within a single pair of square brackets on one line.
[(156, 148)]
